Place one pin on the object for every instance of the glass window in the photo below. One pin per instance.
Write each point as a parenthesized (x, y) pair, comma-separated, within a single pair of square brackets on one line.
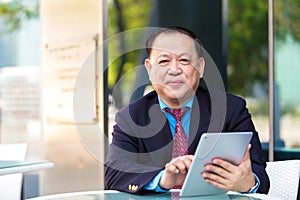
[(247, 68), (287, 73)]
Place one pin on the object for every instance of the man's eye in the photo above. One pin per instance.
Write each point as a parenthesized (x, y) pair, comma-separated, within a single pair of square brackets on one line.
[(161, 62), (184, 61)]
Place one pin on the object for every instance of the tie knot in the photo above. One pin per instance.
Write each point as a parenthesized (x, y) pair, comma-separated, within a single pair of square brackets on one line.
[(177, 113)]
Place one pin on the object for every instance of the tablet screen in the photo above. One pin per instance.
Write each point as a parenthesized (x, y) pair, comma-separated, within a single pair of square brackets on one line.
[(230, 146)]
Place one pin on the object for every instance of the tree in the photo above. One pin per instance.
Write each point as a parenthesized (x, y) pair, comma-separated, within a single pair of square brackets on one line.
[(248, 45), (247, 31), (14, 11), (124, 15), (287, 14), (248, 40)]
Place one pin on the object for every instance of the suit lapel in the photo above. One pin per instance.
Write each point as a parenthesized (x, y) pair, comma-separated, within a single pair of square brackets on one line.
[(200, 119), (159, 143)]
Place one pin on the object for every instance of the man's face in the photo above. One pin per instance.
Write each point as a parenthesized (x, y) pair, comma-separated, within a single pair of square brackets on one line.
[(174, 68)]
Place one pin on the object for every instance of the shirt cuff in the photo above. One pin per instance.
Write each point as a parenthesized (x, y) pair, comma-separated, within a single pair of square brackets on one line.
[(154, 183), (256, 186)]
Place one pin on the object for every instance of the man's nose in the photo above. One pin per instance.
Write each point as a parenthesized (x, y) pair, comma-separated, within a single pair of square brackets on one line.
[(175, 67)]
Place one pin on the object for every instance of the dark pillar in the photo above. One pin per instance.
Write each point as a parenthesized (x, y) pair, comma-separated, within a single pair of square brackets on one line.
[(208, 19)]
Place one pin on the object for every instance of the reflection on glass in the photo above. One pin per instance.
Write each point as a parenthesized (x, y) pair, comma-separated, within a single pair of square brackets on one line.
[(113, 195), (247, 68), (287, 73)]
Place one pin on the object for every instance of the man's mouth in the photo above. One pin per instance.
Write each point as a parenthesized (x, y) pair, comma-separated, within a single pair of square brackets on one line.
[(174, 83)]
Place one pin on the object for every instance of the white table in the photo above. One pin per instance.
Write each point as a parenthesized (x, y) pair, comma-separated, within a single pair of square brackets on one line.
[(17, 166)]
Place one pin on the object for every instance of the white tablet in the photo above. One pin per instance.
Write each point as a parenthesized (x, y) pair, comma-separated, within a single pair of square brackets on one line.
[(229, 146)]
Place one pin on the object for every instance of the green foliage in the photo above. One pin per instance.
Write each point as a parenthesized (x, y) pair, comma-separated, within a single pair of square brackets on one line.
[(291, 109), (287, 14), (248, 40), (248, 45), (258, 107), (247, 31), (14, 11), (135, 14)]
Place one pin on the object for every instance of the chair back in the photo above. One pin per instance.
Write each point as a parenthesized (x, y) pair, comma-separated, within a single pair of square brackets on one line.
[(284, 178), (11, 185)]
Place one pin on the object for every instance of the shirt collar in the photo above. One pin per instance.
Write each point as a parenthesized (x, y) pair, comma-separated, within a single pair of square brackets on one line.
[(188, 104)]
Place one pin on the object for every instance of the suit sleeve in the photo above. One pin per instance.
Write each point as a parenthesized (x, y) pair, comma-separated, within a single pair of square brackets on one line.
[(126, 168), (240, 120)]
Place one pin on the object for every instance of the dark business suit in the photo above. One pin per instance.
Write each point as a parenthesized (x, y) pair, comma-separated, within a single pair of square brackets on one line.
[(142, 140)]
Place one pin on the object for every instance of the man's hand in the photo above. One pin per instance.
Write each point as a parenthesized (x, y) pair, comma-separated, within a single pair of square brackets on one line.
[(225, 175), (176, 171)]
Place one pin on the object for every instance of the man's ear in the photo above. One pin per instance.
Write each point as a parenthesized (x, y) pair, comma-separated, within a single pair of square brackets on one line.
[(201, 67), (147, 65)]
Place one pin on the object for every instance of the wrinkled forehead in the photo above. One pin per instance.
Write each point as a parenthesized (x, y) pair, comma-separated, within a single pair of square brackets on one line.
[(169, 40), (174, 43)]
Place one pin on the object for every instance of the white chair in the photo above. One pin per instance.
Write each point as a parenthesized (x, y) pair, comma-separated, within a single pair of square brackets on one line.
[(11, 185), (284, 178)]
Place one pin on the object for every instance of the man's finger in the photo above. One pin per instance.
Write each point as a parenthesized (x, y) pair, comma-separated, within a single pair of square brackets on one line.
[(171, 168)]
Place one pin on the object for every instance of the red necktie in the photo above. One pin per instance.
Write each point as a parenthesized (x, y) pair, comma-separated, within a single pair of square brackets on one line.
[(180, 141)]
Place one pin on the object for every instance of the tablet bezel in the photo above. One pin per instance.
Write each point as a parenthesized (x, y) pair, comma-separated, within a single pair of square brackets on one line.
[(230, 146)]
